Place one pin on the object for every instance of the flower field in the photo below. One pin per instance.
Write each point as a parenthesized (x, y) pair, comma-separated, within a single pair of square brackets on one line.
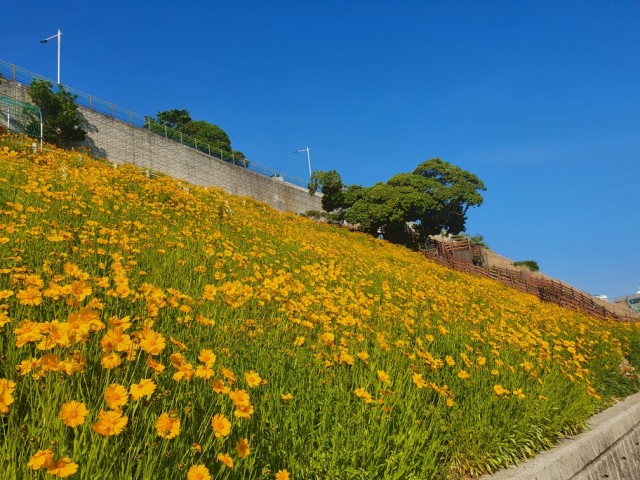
[(155, 330)]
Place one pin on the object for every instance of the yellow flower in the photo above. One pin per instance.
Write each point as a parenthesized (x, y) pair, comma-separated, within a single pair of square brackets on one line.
[(252, 378), (203, 371), (500, 390), (152, 342), (41, 459), (226, 460), (81, 290), (283, 475), (239, 397), (463, 374), (383, 377), (73, 413), (110, 423), (116, 395), (198, 472), (221, 425), (63, 467), (110, 361), (243, 411), (218, 386), (207, 357), (286, 396), (153, 365), (518, 393), (7, 387), (242, 448), (419, 380), (167, 427), (30, 296), (143, 389), (363, 394)]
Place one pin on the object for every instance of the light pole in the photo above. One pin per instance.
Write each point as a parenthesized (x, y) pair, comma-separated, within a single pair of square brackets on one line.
[(308, 157), (59, 35)]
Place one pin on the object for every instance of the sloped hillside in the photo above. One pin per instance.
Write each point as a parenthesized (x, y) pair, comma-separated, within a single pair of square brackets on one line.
[(151, 329)]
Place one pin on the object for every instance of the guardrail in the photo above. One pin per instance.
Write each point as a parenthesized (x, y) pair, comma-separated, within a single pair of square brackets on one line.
[(25, 77)]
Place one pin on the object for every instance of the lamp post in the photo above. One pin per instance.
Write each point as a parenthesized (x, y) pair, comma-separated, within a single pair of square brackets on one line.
[(308, 157), (59, 35)]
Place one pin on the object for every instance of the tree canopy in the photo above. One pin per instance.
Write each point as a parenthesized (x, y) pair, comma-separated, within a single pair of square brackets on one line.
[(434, 197), (62, 122), (203, 132)]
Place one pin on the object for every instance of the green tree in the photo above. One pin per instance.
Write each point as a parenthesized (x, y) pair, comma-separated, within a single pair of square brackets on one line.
[(62, 122), (176, 119), (435, 196), (332, 188), (206, 137)]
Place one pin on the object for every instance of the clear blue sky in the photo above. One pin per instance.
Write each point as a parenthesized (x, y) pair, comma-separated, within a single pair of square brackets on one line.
[(540, 99)]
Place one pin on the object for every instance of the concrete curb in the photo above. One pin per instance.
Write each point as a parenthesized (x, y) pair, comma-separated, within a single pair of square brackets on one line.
[(610, 449)]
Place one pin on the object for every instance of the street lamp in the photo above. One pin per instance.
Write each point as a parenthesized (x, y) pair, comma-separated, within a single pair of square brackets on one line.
[(308, 157), (59, 35)]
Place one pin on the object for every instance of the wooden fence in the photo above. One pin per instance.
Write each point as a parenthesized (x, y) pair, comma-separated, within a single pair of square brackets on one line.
[(448, 253)]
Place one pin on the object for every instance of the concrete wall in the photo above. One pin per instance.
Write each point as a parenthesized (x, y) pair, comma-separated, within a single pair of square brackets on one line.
[(610, 449), (123, 143)]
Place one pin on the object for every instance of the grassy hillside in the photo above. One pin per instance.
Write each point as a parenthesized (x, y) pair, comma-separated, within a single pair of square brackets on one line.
[(154, 330)]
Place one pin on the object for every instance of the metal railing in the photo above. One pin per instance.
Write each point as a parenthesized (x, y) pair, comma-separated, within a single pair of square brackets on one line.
[(25, 77)]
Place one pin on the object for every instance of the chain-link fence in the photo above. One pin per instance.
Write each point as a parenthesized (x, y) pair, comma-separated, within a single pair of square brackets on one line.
[(20, 117), (149, 123)]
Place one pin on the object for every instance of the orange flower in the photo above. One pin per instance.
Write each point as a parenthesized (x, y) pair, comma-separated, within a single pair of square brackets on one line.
[(283, 475), (252, 378), (41, 459), (167, 427), (221, 425), (7, 388), (226, 460), (30, 296), (143, 389), (153, 365), (242, 448), (228, 374), (63, 467), (239, 397), (218, 386), (80, 289), (110, 361), (73, 413), (152, 342), (116, 395), (110, 423), (202, 371), (243, 411), (198, 472), (207, 357)]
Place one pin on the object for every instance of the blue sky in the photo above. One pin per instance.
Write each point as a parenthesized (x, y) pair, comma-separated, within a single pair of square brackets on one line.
[(540, 99)]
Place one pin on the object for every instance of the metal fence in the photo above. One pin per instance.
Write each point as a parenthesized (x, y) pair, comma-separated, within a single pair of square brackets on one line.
[(21, 117), (548, 290), (25, 77)]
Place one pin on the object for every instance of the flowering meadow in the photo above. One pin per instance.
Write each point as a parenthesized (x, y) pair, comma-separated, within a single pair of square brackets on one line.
[(150, 329)]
